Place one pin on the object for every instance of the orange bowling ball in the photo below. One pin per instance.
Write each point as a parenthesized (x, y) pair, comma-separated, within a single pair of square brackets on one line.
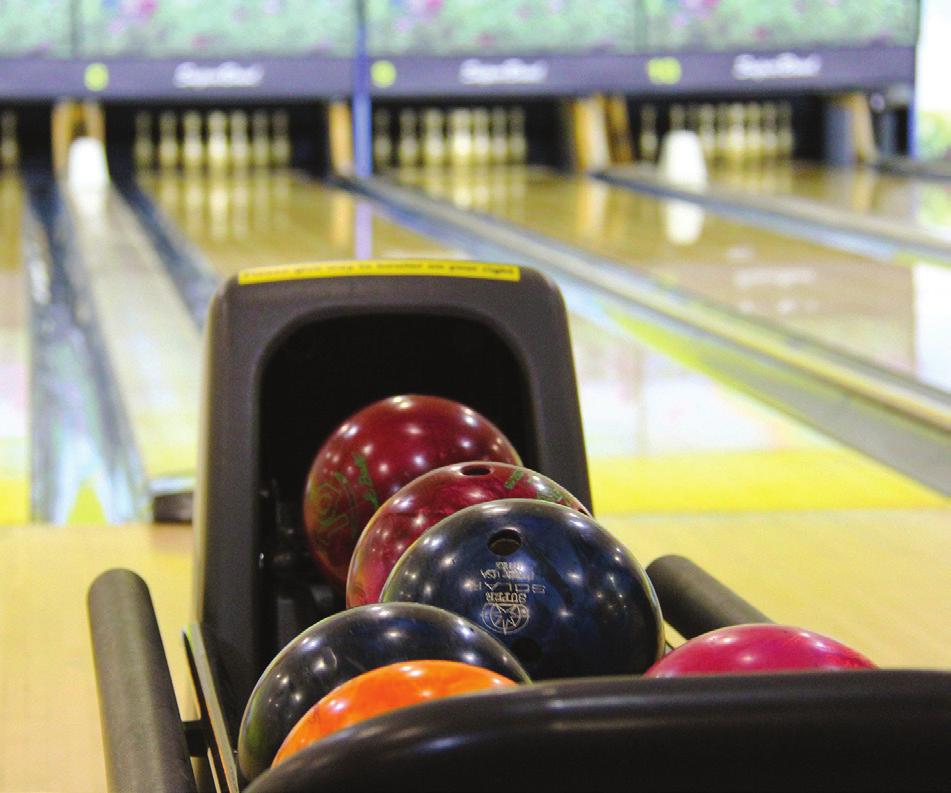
[(385, 689)]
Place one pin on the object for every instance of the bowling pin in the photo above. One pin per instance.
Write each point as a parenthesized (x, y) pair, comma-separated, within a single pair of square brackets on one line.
[(722, 130), (168, 150), (677, 118), (706, 130), (87, 170), (770, 138), (382, 143), (260, 139), (460, 137), (143, 150), (682, 164), (518, 143), (408, 151), (681, 160), (647, 142), (281, 140), (481, 141), (735, 134), (218, 154), (786, 142), (499, 144), (434, 140), (754, 132), (9, 148), (240, 146), (193, 147), (693, 118)]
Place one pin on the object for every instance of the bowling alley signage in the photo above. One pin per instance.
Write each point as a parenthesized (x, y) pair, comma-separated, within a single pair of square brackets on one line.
[(190, 75), (874, 67), (261, 78), (785, 66), (285, 77), (511, 71)]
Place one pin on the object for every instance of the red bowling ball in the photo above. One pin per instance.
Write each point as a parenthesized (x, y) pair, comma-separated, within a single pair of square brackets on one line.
[(744, 649), (377, 451), (427, 500)]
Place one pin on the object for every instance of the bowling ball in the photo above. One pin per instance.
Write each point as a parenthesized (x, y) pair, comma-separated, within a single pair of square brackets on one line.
[(385, 689), (757, 648), (373, 454), (549, 582), (427, 500), (349, 643)]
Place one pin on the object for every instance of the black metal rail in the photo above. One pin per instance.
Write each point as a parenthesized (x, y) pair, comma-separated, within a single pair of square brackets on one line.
[(143, 735)]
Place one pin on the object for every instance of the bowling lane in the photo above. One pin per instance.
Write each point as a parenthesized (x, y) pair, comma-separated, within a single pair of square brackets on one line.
[(152, 345), (646, 417), (50, 736), (14, 361), (665, 438), (279, 217), (891, 312), (874, 579), (922, 204), (803, 527)]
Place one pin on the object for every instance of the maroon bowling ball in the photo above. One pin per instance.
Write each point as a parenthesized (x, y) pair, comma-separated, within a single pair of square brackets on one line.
[(744, 649), (427, 500), (373, 454)]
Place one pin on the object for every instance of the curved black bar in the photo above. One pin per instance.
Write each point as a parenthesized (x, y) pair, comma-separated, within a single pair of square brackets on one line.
[(870, 730), (693, 601), (143, 736)]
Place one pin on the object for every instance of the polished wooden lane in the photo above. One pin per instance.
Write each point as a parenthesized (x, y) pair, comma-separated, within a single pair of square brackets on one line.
[(922, 204), (662, 437), (886, 311), (875, 579), (649, 434), (152, 345), (810, 532), (14, 359), (50, 738), (279, 217)]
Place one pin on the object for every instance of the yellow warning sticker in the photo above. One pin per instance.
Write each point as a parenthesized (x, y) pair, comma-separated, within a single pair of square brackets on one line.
[(438, 267)]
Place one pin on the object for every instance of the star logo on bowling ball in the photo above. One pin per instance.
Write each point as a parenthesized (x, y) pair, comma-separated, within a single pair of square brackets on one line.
[(505, 618)]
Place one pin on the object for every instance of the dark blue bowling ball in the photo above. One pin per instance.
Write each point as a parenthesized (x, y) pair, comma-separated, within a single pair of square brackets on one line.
[(348, 644), (549, 582)]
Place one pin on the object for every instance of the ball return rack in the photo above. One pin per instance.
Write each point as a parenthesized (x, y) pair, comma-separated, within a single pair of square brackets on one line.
[(291, 352)]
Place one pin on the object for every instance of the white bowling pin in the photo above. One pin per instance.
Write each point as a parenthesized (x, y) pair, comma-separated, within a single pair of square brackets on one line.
[(218, 152), (240, 145), (408, 151), (168, 149), (193, 146)]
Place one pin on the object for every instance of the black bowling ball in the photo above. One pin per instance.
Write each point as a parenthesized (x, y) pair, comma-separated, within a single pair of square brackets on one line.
[(348, 644), (551, 583)]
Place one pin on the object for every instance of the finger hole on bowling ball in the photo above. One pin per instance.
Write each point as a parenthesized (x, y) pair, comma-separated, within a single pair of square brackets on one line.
[(526, 650), (476, 470), (505, 542)]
